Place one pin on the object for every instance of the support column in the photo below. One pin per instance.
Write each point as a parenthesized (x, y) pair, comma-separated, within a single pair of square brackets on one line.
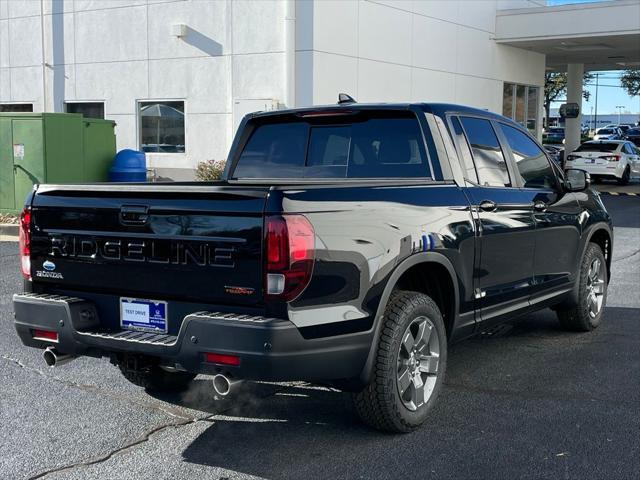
[(575, 72)]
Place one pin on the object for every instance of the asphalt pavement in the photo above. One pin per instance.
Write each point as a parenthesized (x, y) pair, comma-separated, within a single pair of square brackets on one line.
[(527, 401)]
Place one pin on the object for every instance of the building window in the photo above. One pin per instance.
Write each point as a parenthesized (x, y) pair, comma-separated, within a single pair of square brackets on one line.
[(520, 103), (161, 126), (88, 109), (16, 107)]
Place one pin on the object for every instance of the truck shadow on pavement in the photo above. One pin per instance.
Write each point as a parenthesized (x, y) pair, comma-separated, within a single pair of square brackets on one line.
[(530, 377)]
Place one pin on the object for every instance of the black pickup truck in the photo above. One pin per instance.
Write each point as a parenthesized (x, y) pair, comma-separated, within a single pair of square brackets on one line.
[(346, 245)]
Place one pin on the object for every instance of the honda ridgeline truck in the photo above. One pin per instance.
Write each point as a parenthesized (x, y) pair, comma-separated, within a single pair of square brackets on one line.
[(346, 244)]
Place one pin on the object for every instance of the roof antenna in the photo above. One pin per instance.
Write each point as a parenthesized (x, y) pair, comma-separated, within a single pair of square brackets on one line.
[(345, 98)]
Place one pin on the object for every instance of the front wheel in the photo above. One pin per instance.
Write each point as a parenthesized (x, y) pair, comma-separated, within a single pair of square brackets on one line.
[(592, 293), (409, 366)]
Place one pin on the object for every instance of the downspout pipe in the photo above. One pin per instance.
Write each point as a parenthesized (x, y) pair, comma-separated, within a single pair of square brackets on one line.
[(44, 58), (290, 53)]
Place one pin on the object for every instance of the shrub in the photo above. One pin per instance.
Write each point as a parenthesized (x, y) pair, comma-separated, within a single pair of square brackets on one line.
[(210, 170)]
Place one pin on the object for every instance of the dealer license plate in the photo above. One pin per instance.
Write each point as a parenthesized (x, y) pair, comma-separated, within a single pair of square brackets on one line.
[(143, 315)]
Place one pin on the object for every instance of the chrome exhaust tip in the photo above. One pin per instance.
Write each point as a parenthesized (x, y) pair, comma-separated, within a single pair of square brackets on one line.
[(54, 358), (223, 385)]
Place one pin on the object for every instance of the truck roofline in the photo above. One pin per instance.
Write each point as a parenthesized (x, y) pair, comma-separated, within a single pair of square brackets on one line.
[(431, 107)]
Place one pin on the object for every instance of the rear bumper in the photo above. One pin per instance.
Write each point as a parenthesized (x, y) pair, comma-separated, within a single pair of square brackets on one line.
[(269, 348), (610, 170)]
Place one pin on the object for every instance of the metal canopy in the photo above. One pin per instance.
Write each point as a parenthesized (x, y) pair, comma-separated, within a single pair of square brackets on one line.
[(602, 36)]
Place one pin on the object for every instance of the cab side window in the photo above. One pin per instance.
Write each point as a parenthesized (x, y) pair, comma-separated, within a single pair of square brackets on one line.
[(487, 154), (531, 162)]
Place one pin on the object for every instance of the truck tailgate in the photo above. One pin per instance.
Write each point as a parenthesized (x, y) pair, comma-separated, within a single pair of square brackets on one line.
[(157, 241)]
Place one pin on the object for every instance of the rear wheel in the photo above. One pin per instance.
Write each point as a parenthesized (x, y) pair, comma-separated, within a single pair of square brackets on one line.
[(409, 365), (626, 176), (147, 373), (592, 293)]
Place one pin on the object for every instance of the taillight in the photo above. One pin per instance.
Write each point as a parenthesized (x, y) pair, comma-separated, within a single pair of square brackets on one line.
[(24, 237), (612, 158), (289, 255), (572, 157)]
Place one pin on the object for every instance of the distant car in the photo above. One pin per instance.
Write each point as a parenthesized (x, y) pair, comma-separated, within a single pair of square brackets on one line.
[(613, 159), (553, 135), (608, 133), (633, 135), (624, 128)]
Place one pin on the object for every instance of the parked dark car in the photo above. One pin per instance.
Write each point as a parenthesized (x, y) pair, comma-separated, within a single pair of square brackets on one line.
[(553, 135), (633, 135), (348, 244)]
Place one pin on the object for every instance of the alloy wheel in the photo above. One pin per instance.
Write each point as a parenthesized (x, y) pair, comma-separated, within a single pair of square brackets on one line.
[(418, 362), (595, 287)]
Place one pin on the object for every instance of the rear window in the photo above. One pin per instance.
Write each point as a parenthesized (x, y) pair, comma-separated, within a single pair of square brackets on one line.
[(359, 145), (597, 147), (604, 131)]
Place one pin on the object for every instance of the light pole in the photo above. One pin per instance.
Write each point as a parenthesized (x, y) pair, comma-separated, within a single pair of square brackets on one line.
[(595, 121), (591, 120), (619, 107)]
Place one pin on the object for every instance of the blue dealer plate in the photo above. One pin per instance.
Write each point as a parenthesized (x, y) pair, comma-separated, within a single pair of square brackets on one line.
[(143, 315)]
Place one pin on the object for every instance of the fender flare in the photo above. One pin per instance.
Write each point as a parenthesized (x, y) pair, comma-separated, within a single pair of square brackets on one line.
[(596, 227), (413, 260), (572, 299)]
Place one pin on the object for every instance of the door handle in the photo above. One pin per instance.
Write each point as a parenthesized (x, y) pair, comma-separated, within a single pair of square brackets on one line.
[(540, 206), (134, 214), (488, 206)]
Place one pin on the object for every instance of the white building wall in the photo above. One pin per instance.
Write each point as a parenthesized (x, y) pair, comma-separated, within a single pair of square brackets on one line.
[(122, 52), (435, 50)]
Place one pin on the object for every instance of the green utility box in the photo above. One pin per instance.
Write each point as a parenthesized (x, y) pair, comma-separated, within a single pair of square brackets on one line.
[(51, 148)]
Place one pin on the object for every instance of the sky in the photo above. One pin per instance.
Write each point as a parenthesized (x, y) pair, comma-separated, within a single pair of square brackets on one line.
[(610, 95)]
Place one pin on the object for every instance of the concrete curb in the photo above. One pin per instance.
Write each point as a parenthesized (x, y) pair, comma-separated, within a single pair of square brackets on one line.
[(8, 230)]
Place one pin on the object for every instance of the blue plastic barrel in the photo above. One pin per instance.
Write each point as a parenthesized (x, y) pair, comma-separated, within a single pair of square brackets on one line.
[(128, 166)]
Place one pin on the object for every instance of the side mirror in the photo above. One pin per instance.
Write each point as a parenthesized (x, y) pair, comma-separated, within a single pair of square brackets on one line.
[(576, 180)]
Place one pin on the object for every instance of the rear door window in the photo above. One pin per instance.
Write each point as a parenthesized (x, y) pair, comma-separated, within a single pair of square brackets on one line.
[(467, 162), (531, 162), (364, 145), (487, 154)]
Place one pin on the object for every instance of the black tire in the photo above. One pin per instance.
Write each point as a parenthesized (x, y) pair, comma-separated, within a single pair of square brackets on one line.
[(626, 176), (380, 404), (152, 377), (579, 317)]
